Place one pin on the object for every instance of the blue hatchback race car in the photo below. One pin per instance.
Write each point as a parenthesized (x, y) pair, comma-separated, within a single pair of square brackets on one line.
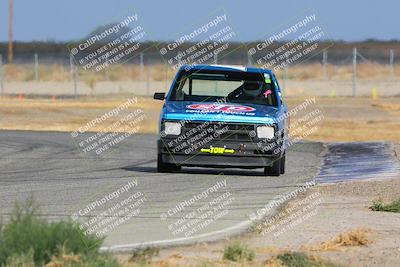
[(223, 116)]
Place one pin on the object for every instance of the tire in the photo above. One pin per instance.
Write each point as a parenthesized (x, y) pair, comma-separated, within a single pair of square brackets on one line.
[(166, 167), (283, 163), (275, 169)]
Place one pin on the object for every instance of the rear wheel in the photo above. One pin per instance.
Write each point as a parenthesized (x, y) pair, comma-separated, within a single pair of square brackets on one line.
[(166, 167), (275, 169)]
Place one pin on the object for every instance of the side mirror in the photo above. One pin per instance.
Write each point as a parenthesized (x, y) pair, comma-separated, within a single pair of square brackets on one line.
[(159, 96)]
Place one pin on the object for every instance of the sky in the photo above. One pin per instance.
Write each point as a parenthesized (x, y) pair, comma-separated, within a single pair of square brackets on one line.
[(58, 20)]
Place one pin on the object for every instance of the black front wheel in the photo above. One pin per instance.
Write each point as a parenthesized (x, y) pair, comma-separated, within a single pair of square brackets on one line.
[(274, 169), (166, 167), (283, 163)]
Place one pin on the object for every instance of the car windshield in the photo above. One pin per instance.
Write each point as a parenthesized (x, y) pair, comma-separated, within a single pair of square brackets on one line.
[(233, 86)]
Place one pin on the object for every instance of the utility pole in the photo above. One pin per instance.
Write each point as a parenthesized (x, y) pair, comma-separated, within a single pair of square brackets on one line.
[(10, 33), (354, 84)]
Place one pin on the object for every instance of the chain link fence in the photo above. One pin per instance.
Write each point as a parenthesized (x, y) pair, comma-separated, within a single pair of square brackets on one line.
[(342, 71)]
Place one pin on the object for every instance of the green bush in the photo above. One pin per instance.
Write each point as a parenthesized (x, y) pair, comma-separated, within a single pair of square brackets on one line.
[(295, 259), (28, 233), (391, 207), (299, 259), (238, 252)]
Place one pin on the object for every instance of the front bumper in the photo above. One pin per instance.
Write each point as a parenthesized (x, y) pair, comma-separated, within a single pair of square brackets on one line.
[(202, 160), (246, 154)]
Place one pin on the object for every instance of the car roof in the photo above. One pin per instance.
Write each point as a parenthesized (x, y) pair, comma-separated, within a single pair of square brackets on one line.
[(225, 68)]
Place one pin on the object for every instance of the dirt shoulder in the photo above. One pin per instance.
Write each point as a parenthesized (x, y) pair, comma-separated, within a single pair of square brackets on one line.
[(345, 206), (339, 227), (341, 208)]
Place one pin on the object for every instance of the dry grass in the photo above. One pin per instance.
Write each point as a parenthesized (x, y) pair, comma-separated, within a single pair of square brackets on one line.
[(391, 107), (354, 119), (366, 71), (352, 238), (273, 262), (61, 73), (353, 130), (69, 115), (345, 119), (65, 259)]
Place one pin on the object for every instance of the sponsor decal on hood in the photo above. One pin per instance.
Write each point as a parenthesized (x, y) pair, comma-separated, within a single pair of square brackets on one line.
[(226, 108)]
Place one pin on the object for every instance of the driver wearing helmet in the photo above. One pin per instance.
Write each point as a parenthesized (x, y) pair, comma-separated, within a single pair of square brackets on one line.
[(249, 90)]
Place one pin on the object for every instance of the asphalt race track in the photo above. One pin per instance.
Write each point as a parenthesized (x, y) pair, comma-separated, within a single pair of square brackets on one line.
[(65, 182), (62, 179)]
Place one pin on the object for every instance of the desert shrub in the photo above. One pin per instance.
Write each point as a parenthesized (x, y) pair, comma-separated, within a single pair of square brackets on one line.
[(143, 256), (300, 259), (27, 233), (238, 252), (390, 207)]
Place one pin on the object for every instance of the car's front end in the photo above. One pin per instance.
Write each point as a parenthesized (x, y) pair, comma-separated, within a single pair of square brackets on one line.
[(212, 130)]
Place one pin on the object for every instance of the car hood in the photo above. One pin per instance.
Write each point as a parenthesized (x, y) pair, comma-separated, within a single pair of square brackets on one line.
[(227, 112)]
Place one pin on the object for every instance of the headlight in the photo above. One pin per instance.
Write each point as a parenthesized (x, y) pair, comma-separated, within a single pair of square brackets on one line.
[(265, 132), (172, 128)]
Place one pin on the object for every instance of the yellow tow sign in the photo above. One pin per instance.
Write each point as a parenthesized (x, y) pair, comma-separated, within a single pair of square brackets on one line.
[(217, 150)]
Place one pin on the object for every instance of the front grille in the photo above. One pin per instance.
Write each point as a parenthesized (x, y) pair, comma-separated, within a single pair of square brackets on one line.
[(221, 130)]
